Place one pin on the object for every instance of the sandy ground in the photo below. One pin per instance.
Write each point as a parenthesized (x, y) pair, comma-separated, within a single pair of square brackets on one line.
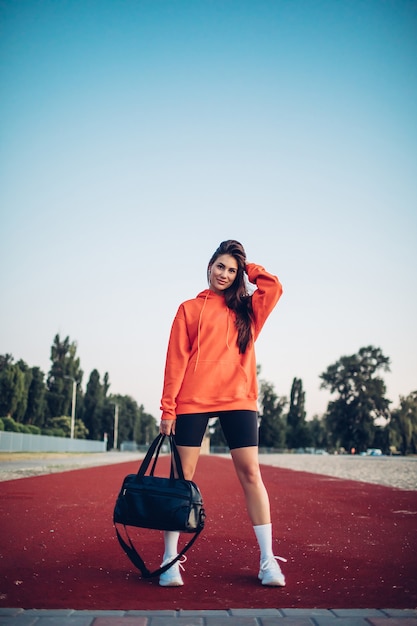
[(400, 472), (15, 465)]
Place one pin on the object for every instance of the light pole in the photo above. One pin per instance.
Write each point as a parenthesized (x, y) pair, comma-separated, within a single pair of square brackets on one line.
[(74, 400), (116, 425)]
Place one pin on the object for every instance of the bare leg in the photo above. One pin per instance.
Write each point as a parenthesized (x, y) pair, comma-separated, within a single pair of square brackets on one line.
[(189, 457), (172, 578), (257, 503), (247, 469)]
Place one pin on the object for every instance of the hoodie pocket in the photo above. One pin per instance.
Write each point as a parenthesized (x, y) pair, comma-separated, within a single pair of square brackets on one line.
[(213, 381)]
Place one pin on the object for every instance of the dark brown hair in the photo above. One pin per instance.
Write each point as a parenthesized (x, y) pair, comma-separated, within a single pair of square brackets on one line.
[(236, 296)]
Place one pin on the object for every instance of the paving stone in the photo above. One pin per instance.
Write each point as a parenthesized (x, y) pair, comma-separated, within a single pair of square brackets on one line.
[(285, 621), (325, 620), (307, 613), (203, 613), (50, 612), (393, 621), (138, 613), (177, 621), (400, 612), (255, 612), (17, 620), (98, 613), (9, 612), (121, 621), (231, 621), (63, 621), (358, 612)]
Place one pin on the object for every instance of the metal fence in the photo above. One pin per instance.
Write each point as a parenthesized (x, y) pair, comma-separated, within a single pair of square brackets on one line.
[(23, 442)]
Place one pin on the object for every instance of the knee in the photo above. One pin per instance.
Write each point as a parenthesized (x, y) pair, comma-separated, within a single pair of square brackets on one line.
[(250, 475)]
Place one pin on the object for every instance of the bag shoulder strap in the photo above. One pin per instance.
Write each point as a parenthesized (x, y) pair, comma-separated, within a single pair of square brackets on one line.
[(137, 560)]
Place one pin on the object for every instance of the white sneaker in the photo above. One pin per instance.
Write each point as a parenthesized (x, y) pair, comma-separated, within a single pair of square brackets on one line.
[(270, 572), (172, 577)]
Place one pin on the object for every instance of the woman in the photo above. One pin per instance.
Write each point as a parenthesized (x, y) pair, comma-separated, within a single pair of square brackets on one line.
[(211, 372)]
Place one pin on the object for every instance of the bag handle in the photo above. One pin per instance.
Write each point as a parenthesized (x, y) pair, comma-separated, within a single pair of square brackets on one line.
[(155, 449), (175, 459)]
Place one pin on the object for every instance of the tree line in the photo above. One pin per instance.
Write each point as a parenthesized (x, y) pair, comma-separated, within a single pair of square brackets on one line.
[(359, 417), (34, 403)]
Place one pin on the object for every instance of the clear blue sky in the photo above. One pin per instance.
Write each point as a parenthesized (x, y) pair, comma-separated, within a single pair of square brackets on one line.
[(136, 135)]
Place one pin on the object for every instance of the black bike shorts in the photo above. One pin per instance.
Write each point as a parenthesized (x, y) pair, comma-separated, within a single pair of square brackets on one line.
[(240, 428)]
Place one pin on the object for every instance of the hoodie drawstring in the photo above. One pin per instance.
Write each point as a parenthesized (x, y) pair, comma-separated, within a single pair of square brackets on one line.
[(228, 326), (199, 329)]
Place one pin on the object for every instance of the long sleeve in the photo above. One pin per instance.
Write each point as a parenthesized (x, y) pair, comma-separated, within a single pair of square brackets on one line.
[(266, 296), (178, 354)]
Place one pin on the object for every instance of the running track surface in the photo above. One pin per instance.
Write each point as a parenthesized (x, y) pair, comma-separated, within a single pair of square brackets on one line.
[(349, 544)]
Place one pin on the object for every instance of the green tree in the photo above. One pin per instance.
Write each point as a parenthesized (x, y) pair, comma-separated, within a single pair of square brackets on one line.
[(12, 386), (106, 384), (318, 432), (402, 427), (351, 418), (298, 435), (36, 402), (107, 421), (129, 415), (381, 438), (93, 406), (22, 403), (10, 425), (61, 427), (64, 369), (17, 427), (272, 430), (146, 428)]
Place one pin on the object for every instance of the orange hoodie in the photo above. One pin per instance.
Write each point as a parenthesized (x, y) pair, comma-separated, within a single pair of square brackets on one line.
[(204, 371)]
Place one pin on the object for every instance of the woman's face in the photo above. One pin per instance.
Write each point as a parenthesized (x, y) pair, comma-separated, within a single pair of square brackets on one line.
[(222, 273)]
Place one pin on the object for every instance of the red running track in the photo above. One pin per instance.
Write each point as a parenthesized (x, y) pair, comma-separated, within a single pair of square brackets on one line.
[(349, 544)]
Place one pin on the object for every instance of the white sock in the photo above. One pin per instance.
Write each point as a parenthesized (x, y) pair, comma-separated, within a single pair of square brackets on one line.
[(264, 536), (171, 543)]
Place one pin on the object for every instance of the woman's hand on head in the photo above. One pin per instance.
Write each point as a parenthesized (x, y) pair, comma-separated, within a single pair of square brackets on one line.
[(167, 427)]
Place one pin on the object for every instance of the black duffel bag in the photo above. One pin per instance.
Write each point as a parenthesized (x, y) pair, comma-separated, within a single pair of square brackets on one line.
[(148, 501)]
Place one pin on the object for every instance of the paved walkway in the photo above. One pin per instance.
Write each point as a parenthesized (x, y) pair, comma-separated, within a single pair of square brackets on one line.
[(233, 617)]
